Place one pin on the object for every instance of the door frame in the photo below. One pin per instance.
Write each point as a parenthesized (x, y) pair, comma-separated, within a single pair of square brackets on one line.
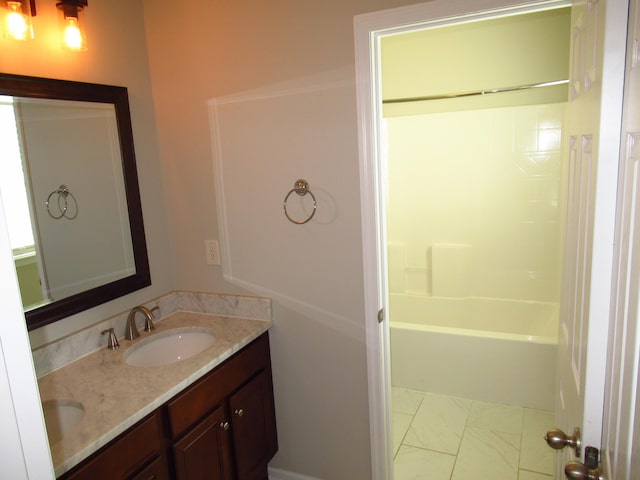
[(369, 29)]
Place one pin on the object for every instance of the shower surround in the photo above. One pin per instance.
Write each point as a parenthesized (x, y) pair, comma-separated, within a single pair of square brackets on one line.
[(474, 251)]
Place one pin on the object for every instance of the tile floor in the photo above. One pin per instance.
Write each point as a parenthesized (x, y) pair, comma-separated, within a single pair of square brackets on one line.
[(437, 437)]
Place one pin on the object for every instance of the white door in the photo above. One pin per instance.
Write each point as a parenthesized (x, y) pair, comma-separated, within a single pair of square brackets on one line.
[(593, 129), (597, 87)]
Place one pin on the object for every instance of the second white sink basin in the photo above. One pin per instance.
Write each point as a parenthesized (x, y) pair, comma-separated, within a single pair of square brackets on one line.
[(168, 347), (61, 417)]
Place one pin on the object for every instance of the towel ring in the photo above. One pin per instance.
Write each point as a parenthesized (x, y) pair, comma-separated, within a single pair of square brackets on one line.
[(63, 194), (301, 187)]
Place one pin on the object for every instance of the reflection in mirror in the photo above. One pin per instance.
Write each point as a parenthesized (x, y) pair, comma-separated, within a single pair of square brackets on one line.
[(69, 183)]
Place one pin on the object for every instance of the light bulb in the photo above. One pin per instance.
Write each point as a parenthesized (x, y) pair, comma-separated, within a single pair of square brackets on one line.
[(72, 24), (17, 24), (73, 35)]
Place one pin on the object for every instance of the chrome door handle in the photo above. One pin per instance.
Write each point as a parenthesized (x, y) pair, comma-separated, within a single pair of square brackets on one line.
[(557, 440)]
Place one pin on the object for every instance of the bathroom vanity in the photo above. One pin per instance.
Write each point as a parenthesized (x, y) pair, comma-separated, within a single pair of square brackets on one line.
[(207, 416), (222, 426)]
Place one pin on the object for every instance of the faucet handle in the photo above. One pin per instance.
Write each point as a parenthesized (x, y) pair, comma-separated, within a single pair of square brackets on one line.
[(149, 317), (112, 341)]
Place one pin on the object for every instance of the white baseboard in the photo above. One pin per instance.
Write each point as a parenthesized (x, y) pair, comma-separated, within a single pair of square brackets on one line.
[(277, 474)]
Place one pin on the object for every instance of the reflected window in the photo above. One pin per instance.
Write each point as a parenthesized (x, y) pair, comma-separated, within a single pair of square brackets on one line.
[(12, 186)]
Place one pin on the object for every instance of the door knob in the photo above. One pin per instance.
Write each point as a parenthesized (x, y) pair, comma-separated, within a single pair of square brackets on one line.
[(557, 440), (579, 471), (591, 469)]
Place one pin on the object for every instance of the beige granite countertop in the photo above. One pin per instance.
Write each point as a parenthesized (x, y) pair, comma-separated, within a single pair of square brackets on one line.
[(115, 395)]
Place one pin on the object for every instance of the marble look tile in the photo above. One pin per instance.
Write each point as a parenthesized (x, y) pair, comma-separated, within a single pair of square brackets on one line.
[(167, 304), (495, 416), (404, 400), (439, 423), (525, 475), (487, 454), (399, 425), (536, 455), (257, 308), (415, 463), (57, 354)]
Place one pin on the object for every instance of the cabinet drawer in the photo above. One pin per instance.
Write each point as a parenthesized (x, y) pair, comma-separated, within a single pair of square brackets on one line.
[(125, 455), (209, 392), (156, 470)]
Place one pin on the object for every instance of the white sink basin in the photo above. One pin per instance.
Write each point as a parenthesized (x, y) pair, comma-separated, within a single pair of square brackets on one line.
[(169, 347), (61, 417)]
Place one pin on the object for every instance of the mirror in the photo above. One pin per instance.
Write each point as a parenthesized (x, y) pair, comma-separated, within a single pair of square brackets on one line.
[(71, 195)]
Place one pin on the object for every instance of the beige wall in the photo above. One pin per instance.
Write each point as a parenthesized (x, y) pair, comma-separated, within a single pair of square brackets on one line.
[(117, 55), (212, 49)]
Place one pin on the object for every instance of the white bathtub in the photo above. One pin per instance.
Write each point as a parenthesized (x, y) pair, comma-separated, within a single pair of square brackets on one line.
[(495, 350)]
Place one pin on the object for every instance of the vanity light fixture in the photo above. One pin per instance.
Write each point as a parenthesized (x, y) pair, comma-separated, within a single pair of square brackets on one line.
[(72, 24), (16, 18)]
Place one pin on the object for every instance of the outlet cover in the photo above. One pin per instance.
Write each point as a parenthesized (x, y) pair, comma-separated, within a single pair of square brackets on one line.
[(212, 252)]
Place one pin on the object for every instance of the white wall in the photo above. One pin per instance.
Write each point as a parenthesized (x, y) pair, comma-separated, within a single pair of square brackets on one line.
[(117, 55)]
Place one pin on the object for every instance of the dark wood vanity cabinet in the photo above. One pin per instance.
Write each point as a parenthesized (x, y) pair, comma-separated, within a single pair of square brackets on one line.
[(230, 414), (221, 427)]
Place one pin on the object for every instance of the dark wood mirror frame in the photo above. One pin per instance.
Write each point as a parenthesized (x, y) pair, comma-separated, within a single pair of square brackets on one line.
[(34, 87)]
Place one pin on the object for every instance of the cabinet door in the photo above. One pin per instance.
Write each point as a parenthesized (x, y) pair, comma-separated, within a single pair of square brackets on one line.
[(253, 426), (204, 452)]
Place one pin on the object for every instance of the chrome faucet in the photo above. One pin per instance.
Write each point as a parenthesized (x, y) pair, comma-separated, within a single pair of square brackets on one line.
[(130, 331)]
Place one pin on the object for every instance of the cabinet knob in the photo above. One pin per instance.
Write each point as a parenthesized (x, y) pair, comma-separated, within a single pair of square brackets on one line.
[(224, 425), (239, 412)]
